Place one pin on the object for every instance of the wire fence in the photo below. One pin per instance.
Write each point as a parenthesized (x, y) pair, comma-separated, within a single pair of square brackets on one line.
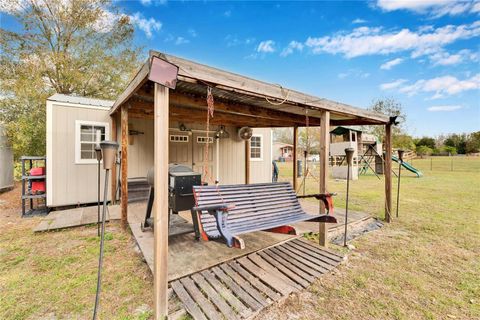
[(454, 163)]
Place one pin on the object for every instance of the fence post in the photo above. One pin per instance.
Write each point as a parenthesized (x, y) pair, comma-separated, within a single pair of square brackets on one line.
[(431, 163)]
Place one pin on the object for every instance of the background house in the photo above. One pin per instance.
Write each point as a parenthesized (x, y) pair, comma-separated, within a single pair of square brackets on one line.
[(6, 162)]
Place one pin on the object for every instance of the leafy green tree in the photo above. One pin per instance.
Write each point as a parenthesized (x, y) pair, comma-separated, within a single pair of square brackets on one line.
[(403, 141), (472, 144), (424, 151), (450, 150), (426, 141), (392, 108), (81, 47), (458, 141)]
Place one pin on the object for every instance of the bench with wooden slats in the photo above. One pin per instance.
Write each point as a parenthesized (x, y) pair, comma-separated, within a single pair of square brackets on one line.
[(226, 211)]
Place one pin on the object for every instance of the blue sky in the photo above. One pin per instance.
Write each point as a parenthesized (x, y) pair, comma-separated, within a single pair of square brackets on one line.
[(425, 54)]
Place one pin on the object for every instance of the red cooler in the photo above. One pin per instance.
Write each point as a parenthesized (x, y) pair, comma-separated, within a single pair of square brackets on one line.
[(38, 186)]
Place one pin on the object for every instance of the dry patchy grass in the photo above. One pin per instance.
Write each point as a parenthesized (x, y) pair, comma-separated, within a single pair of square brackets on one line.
[(53, 275), (422, 266)]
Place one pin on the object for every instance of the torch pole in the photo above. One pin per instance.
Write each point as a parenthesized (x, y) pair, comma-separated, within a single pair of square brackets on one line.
[(349, 156), (400, 158)]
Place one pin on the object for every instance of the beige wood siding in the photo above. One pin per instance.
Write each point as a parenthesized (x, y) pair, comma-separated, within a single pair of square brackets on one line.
[(140, 148), (70, 183)]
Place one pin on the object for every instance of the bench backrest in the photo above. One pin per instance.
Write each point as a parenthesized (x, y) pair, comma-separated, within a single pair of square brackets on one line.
[(247, 203)]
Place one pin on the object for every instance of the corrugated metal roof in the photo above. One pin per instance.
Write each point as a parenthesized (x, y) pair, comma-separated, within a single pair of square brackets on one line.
[(81, 100)]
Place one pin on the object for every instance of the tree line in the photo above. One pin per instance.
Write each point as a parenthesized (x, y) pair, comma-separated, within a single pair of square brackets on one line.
[(445, 144)]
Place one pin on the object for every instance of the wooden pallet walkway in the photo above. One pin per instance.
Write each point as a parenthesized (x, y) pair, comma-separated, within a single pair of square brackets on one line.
[(241, 288)]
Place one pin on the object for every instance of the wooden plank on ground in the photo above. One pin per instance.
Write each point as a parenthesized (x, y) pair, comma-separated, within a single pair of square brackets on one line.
[(309, 278), (264, 264), (308, 256), (224, 292), (328, 253), (254, 281), (213, 296), (298, 264), (292, 275), (294, 255), (314, 254), (187, 301), (237, 289), (200, 299), (270, 279)]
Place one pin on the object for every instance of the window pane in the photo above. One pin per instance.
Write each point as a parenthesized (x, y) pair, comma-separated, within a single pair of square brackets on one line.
[(86, 155), (87, 151)]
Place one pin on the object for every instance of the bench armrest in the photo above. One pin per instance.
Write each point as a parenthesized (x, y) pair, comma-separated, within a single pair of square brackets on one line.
[(327, 199), (212, 209)]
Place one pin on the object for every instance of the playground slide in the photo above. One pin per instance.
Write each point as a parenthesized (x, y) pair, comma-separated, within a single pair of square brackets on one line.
[(409, 167)]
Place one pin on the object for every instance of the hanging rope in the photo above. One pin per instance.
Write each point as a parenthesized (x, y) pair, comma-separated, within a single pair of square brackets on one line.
[(206, 172), (210, 111)]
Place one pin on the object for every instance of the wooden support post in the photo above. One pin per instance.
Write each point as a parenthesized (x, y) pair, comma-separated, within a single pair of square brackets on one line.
[(114, 168), (160, 248), (295, 171), (247, 161), (324, 155), (124, 178), (388, 172)]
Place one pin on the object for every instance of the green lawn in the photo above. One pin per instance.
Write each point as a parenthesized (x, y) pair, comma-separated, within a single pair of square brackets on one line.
[(424, 265)]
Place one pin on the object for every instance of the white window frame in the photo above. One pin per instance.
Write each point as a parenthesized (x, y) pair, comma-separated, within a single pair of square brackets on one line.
[(261, 148), (78, 125)]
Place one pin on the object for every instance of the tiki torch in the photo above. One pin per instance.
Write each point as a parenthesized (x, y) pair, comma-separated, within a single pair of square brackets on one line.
[(109, 151), (400, 158), (349, 156)]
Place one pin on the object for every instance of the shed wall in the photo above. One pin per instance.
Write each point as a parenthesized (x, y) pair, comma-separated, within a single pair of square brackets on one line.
[(69, 183)]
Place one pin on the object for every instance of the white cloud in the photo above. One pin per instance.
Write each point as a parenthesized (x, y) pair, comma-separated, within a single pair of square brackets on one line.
[(146, 25), (359, 21), (390, 64), (146, 2), (444, 58), (444, 108), (392, 85), (181, 40), (434, 8), (266, 46), (292, 46), (371, 41), (442, 86)]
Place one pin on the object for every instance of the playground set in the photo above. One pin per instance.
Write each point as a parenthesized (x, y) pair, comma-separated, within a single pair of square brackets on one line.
[(368, 154)]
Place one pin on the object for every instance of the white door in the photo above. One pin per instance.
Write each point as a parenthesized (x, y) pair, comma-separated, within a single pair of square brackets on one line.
[(180, 148), (200, 140)]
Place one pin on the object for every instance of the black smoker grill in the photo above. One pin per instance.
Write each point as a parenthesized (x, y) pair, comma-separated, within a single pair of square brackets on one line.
[(181, 180)]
